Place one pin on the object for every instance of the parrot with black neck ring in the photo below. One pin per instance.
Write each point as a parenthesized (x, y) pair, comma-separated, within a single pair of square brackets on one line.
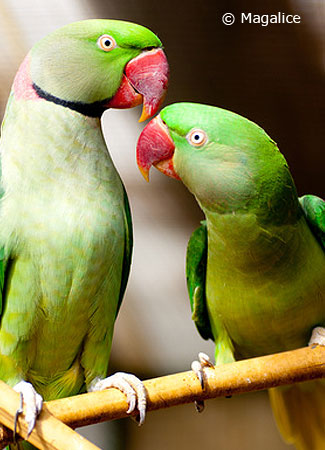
[(65, 222)]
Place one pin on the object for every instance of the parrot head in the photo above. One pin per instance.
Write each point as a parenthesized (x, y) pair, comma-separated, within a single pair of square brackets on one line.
[(225, 160), (97, 64)]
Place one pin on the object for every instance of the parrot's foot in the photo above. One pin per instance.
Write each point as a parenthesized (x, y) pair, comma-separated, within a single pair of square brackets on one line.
[(317, 336), (33, 404), (130, 385), (198, 368)]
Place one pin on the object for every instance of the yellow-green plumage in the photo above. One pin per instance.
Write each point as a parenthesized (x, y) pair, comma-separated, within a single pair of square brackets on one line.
[(275, 274)]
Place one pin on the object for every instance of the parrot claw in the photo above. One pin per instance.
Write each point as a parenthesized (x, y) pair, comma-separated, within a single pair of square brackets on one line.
[(198, 368), (18, 412), (317, 336), (205, 360), (33, 404), (199, 405), (131, 386)]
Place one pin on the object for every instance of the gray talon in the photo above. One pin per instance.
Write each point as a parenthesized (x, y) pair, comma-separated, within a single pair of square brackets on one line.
[(201, 379), (131, 386), (32, 403), (317, 337), (198, 368), (30, 428), (199, 405), (18, 412)]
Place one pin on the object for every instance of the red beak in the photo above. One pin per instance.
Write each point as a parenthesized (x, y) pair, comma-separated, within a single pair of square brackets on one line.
[(156, 147), (145, 80)]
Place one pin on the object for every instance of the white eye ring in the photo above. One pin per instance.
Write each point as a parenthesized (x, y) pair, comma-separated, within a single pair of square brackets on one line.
[(197, 137), (106, 42)]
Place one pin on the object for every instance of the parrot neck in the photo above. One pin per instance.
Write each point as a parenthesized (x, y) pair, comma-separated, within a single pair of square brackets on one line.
[(25, 89), (58, 145), (94, 109)]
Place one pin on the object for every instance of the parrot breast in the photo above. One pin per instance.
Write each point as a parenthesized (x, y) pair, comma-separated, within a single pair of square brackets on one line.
[(67, 239), (268, 284)]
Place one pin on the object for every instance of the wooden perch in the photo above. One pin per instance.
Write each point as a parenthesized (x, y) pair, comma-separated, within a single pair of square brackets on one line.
[(49, 432), (235, 378)]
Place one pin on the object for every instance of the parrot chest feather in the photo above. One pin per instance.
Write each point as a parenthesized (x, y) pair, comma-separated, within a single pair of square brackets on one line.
[(66, 241), (263, 282)]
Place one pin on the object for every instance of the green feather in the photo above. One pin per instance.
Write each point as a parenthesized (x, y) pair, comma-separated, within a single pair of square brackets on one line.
[(314, 209), (196, 260), (127, 257)]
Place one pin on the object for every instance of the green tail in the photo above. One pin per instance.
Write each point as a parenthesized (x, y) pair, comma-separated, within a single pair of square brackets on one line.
[(299, 410)]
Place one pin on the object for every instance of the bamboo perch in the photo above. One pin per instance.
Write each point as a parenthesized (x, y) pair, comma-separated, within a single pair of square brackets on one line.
[(243, 376), (49, 432)]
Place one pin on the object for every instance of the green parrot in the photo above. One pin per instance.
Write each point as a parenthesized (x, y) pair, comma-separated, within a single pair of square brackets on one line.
[(65, 223), (256, 266)]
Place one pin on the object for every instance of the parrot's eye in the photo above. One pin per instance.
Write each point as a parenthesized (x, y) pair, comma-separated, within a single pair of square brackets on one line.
[(106, 43), (197, 137)]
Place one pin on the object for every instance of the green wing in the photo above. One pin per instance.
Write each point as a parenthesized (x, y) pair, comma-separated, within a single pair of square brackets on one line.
[(196, 264), (314, 209), (128, 246)]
